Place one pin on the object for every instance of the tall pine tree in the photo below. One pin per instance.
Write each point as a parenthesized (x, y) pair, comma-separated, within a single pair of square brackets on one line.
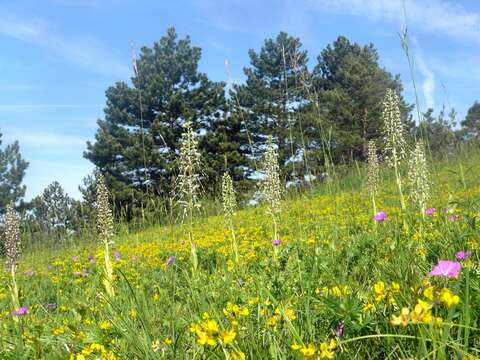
[(138, 141), (268, 102), (351, 86)]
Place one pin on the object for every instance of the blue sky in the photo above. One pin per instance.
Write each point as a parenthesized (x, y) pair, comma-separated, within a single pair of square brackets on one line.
[(59, 56)]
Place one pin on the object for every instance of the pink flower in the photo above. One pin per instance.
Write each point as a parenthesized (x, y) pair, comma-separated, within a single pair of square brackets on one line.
[(380, 216), (75, 258), (430, 211), (276, 242), (446, 268), (20, 311), (170, 260), (462, 255), (452, 217)]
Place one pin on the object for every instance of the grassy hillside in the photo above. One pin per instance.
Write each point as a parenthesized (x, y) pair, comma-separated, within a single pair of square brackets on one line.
[(339, 285)]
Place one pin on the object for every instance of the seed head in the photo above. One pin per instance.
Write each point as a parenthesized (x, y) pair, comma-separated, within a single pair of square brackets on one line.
[(228, 196), (393, 130), (418, 175), (372, 168), (12, 240), (188, 181), (271, 188), (104, 213)]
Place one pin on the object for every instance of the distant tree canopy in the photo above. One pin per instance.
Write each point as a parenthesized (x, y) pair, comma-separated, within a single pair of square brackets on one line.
[(12, 172), (440, 130), (53, 209), (471, 123)]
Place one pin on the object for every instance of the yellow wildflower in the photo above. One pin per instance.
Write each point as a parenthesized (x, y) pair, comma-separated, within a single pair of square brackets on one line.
[(402, 319), (327, 349), (308, 352), (105, 325), (228, 336), (449, 298)]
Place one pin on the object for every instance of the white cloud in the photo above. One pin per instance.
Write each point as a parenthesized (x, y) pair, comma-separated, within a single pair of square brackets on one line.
[(433, 16), (428, 83), (88, 53), (35, 107), (17, 87), (45, 141)]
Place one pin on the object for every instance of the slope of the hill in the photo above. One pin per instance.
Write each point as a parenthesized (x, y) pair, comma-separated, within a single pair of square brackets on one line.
[(338, 284)]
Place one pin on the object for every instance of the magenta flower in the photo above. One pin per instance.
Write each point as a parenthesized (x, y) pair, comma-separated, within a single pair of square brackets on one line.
[(462, 255), (170, 260), (430, 211), (380, 216), (117, 256), (446, 268), (91, 259), (276, 242), (20, 311)]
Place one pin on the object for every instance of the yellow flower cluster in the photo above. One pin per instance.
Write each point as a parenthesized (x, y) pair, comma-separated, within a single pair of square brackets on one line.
[(208, 332), (97, 349), (442, 295), (339, 291), (234, 312), (382, 292), (325, 350), (274, 319), (421, 314)]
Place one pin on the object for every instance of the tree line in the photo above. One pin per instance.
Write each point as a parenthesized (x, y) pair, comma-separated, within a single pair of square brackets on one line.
[(317, 117)]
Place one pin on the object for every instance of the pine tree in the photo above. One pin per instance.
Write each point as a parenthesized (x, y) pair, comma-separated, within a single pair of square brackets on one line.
[(137, 143), (12, 172), (268, 103), (351, 85)]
